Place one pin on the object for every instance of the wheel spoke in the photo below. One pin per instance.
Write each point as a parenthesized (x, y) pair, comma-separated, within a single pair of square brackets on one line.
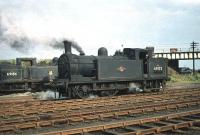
[(82, 91)]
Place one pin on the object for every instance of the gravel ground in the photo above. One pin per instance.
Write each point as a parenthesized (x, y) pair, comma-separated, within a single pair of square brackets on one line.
[(182, 85)]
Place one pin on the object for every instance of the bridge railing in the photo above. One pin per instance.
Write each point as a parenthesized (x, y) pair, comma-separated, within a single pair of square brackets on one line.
[(167, 50)]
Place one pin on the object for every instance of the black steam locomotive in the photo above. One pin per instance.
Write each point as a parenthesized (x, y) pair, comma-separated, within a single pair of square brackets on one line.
[(133, 69), (26, 75), (79, 76)]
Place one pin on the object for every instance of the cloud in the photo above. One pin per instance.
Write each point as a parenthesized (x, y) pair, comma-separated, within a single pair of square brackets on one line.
[(96, 23), (193, 2)]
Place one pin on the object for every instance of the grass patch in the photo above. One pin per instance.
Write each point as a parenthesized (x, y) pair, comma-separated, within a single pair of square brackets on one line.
[(185, 78), (11, 61)]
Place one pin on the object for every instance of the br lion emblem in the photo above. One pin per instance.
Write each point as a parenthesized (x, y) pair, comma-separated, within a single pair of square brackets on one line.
[(121, 68)]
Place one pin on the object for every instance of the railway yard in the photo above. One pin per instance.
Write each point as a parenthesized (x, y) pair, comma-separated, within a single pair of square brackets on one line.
[(99, 68), (173, 111)]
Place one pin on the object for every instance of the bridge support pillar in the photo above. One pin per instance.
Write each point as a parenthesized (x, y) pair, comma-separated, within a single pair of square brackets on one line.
[(174, 64)]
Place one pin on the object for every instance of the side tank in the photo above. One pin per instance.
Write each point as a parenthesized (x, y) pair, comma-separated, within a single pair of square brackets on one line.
[(10, 73)]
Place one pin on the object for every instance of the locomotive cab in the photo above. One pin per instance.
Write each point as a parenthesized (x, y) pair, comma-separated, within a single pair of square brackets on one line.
[(25, 62), (135, 54), (138, 54)]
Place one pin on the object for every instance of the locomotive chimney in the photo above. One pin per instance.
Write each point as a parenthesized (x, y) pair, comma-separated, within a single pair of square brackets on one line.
[(68, 46), (82, 53)]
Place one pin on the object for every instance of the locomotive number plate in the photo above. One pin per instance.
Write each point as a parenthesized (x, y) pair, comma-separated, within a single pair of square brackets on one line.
[(158, 69), (11, 74)]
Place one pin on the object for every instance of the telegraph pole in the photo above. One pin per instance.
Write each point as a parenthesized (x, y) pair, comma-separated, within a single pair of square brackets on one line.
[(193, 46)]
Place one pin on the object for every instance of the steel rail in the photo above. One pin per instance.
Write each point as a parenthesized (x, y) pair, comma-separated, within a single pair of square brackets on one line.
[(127, 123), (96, 100), (34, 122), (3, 102), (30, 110)]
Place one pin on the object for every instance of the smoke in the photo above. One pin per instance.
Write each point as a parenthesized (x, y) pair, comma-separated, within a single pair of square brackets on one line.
[(13, 37), (2, 27), (93, 96), (21, 44), (56, 44), (77, 47), (46, 95), (134, 87), (59, 45)]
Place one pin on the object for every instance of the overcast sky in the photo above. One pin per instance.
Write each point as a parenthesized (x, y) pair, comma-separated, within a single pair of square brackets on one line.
[(96, 23)]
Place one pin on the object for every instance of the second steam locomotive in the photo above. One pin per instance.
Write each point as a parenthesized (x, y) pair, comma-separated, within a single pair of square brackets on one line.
[(26, 75), (103, 75)]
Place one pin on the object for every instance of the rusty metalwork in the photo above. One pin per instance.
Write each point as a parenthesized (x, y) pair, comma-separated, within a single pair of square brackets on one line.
[(126, 124), (30, 108), (73, 111)]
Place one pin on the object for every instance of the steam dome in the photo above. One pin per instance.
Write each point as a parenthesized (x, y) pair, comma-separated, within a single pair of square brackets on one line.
[(102, 51)]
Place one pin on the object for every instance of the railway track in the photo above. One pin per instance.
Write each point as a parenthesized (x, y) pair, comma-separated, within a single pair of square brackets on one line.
[(70, 112), (143, 126), (97, 114), (36, 108)]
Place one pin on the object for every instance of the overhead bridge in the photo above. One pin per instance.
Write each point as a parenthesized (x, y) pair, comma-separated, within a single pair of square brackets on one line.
[(174, 56), (178, 55)]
